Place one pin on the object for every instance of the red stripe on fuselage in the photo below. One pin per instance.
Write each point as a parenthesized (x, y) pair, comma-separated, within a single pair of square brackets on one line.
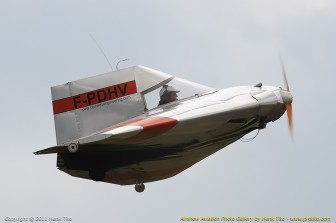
[(154, 126), (94, 97)]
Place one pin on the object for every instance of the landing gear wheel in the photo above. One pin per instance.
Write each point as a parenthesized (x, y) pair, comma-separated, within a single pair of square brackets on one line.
[(73, 147), (97, 175), (140, 187)]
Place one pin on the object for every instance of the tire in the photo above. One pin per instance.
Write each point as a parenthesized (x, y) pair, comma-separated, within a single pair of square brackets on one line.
[(140, 187)]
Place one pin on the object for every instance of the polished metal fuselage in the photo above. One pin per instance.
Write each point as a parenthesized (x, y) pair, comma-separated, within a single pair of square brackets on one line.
[(203, 124)]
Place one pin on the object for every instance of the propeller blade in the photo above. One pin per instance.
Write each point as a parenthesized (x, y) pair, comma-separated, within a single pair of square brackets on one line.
[(284, 75), (288, 105), (289, 111)]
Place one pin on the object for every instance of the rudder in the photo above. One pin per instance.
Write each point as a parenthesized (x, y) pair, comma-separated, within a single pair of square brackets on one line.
[(86, 106)]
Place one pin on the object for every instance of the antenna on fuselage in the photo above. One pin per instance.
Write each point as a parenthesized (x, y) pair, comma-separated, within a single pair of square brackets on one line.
[(120, 62), (102, 51)]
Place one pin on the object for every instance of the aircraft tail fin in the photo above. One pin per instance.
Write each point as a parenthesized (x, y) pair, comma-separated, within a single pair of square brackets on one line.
[(86, 106)]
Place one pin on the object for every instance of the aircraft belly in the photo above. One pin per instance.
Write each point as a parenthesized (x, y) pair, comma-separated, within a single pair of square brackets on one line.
[(155, 169)]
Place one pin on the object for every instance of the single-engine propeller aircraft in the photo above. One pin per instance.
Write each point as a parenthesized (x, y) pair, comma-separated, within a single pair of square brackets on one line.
[(139, 125)]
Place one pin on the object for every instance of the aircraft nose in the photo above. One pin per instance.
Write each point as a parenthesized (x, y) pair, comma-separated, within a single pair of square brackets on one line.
[(286, 96)]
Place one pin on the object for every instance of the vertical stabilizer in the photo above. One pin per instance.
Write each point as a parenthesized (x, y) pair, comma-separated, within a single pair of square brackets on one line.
[(89, 105)]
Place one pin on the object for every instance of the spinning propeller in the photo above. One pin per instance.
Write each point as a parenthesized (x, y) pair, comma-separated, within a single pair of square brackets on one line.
[(288, 103)]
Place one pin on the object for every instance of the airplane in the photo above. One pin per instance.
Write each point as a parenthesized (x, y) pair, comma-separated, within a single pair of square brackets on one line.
[(113, 127)]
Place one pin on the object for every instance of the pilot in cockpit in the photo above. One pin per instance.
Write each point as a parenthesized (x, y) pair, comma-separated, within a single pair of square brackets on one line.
[(168, 94)]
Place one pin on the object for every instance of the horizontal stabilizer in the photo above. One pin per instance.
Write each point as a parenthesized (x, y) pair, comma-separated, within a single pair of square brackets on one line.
[(92, 148), (55, 149)]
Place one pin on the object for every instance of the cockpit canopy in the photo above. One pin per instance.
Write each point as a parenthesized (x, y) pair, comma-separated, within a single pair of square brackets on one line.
[(184, 89)]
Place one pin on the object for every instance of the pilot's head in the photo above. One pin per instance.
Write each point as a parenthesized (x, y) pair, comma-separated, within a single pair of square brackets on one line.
[(168, 94)]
